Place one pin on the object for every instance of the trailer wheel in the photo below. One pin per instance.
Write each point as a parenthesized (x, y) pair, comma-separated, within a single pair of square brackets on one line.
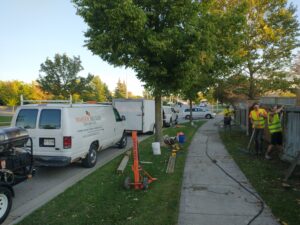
[(127, 182), (91, 158), (145, 183), (123, 142), (5, 203)]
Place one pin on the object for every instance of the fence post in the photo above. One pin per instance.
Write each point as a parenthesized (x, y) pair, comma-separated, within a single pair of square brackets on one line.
[(298, 97)]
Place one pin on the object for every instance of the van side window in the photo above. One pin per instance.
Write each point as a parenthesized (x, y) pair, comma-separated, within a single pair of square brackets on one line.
[(117, 115), (50, 119), (27, 118)]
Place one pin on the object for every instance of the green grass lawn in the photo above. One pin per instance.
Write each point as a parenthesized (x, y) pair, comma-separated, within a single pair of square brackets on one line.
[(5, 120), (266, 177), (101, 199)]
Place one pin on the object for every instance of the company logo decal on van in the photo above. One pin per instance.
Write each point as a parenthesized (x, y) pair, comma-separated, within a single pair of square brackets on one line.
[(87, 118)]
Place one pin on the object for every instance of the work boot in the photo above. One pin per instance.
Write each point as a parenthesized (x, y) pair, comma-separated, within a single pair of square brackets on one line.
[(268, 157)]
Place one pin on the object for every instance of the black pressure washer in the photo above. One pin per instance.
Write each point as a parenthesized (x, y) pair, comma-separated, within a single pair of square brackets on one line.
[(16, 164)]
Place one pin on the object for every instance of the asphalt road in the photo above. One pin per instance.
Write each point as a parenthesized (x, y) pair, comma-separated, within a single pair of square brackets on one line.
[(49, 182)]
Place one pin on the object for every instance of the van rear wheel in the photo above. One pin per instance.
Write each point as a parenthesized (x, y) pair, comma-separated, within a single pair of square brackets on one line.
[(91, 158), (123, 142)]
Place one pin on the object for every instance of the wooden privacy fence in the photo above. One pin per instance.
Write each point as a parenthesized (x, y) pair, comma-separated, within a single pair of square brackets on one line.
[(291, 122)]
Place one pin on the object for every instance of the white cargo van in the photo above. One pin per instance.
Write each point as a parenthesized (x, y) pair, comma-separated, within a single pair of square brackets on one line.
[(170, 117), (139, 113), (65, 133)]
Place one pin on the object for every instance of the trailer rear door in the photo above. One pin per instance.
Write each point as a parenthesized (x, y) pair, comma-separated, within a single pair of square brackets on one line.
[(133, 111)]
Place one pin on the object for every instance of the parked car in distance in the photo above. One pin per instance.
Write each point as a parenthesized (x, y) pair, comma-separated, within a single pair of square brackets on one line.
[(66, 133), (199, 112), (170, 116)]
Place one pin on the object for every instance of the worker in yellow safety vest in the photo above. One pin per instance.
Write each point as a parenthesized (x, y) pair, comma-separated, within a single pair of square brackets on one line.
[(258, 116), (227, 117), (275, 129)]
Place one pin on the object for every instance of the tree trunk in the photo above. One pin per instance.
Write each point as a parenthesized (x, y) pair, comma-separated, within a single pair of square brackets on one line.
[(158, 120), (251, 93), (251, 87), (191, 111)]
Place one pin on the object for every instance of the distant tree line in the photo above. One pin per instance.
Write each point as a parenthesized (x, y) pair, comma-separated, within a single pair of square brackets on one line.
[(58, 79)]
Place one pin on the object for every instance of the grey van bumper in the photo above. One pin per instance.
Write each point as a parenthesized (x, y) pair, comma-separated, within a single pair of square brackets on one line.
[(51, 161)]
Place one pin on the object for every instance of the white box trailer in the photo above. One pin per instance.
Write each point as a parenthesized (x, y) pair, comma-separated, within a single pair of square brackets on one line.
[(139, 114)]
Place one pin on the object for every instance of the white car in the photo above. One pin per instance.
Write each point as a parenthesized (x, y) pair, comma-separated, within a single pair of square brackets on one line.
[(199, 112), (170, 116), (66, 133)]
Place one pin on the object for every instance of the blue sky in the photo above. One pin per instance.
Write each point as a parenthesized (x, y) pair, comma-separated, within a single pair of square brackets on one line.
[(33, 30)]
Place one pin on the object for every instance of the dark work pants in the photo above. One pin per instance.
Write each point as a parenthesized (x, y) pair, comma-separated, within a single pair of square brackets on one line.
[(259, 139)]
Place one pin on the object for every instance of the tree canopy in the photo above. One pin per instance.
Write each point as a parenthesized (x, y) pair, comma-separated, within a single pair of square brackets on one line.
[(97, 91), (10, 92), (59, 76), (120, 90), (159, 40), (270, 35), (296, 69)]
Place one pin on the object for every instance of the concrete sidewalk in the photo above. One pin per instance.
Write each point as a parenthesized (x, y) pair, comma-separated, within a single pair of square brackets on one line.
[(208, 196)]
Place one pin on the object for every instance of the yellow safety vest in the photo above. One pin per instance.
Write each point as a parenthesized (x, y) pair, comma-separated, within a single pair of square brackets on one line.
[(275, 125), (258, 121), (227, 112)]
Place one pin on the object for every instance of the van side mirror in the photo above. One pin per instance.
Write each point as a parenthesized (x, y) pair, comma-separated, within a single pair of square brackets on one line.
[(123, 117)]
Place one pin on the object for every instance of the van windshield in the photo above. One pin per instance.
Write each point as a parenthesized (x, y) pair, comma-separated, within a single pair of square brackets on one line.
[(27, 118), (117, 115), (50, 119)]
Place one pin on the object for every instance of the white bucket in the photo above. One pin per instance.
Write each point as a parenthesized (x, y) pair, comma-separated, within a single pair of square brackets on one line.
[(156, 148)]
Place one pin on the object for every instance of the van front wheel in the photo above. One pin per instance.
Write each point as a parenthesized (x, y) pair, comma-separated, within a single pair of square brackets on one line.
[(91, 158)]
